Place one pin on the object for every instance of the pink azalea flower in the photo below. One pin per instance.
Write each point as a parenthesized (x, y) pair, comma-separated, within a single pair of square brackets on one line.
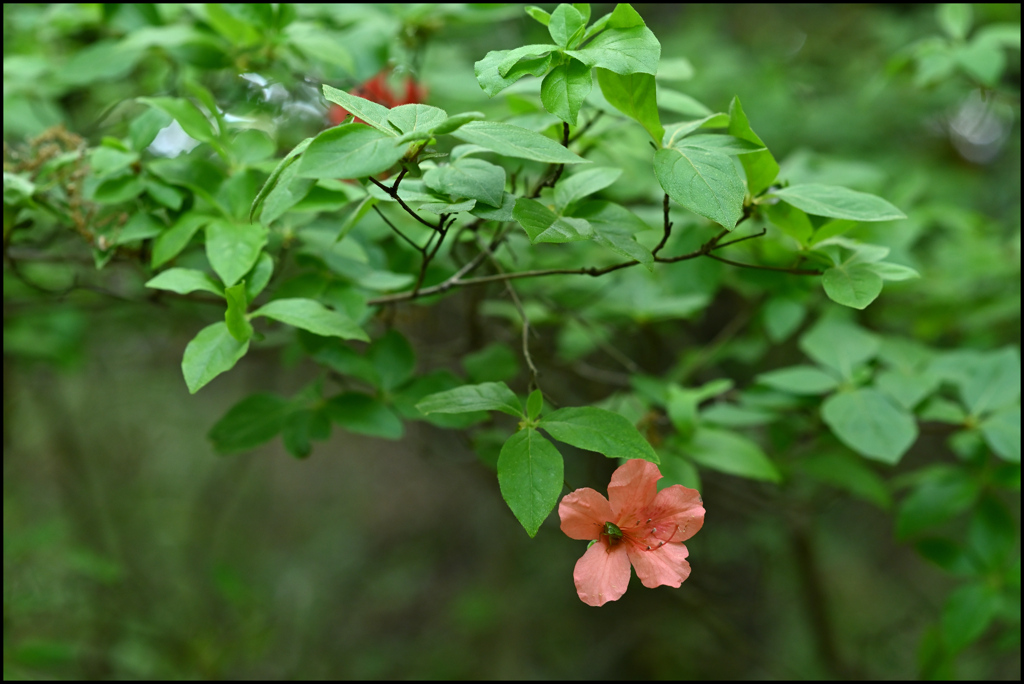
[(635, 525)]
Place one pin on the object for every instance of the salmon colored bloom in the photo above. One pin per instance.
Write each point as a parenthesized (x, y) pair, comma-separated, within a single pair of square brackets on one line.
[(635, 525)]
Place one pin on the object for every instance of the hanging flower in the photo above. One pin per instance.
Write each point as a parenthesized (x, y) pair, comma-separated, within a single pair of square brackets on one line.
[(635, 525), (377, 90)]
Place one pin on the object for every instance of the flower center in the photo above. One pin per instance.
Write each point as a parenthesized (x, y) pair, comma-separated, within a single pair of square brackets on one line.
[(612, 531)]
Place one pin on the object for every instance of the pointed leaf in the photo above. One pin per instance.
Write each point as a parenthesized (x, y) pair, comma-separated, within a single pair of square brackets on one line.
[(513, 141), (760, 167), (233, 248), (210, 353), (704, 182), (854, 285), (635, 95), (313, 316), (350, 151), (486, 396), (577, 186), (595, 429), (869, 423), (730, 453), (372, 113), (565, 88), (838, 202), (185, 280), (364, 415), (530, 477)]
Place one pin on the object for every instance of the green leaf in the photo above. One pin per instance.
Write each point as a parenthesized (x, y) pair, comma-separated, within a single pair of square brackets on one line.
[(513, 141), (566, 25), (608, 216), (364, 415), (991, 382), (454, 123), (760, 167), (234, 318), (565, 88), (493, 82), (680, 103), (495, 362), (622, 50), (185, 280), (468, 178), (233, 248), (301, 427), (530, 477), (1002, 432), (210, 353), (792, 221), (838, 202), (635, 95), (894, 272), (313, 316), (799, 380), (681, 406), (416, 118), (908, 388), (441, 208), (955, 18), (968, 612), (577, 186), (839, 345), (372, 113), (855, 285), (259, 276), (992, 534), (674, 133), (275, 176), (782, 316), (849, 473), (595, 429), (534, 404), (350, 151), (501, 214), (624, 16), (675, 69), (188, 116), (538, 14), (704, 182), (728, 452), (871, 424), (622, 242), (249, 423), (513, 57), (486, 396), (170, 243), (392, 358), (726, 144), (544, 225), (942, 495)]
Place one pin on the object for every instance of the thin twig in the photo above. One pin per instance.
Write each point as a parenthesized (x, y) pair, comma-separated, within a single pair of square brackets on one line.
[(586, 127), (400, 233), (526, 335), (667, 231), (393, 194)]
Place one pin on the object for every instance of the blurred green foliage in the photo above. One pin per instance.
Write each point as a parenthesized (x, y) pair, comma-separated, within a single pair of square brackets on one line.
[(878, 543)]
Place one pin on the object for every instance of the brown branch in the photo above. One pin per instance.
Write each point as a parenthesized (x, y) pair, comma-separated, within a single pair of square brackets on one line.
[(393, 194), (667, 231)]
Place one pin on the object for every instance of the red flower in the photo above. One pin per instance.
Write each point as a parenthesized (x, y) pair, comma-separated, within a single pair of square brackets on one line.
[(378, 90), (635, 525)]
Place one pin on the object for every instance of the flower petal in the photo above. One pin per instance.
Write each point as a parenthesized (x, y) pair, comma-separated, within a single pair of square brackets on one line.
[(677, 513), (584, 513), (602, 574), (632, 489), (662, 565)]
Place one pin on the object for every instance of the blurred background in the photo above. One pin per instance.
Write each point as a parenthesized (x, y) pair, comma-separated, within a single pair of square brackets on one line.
[(133, 550)]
